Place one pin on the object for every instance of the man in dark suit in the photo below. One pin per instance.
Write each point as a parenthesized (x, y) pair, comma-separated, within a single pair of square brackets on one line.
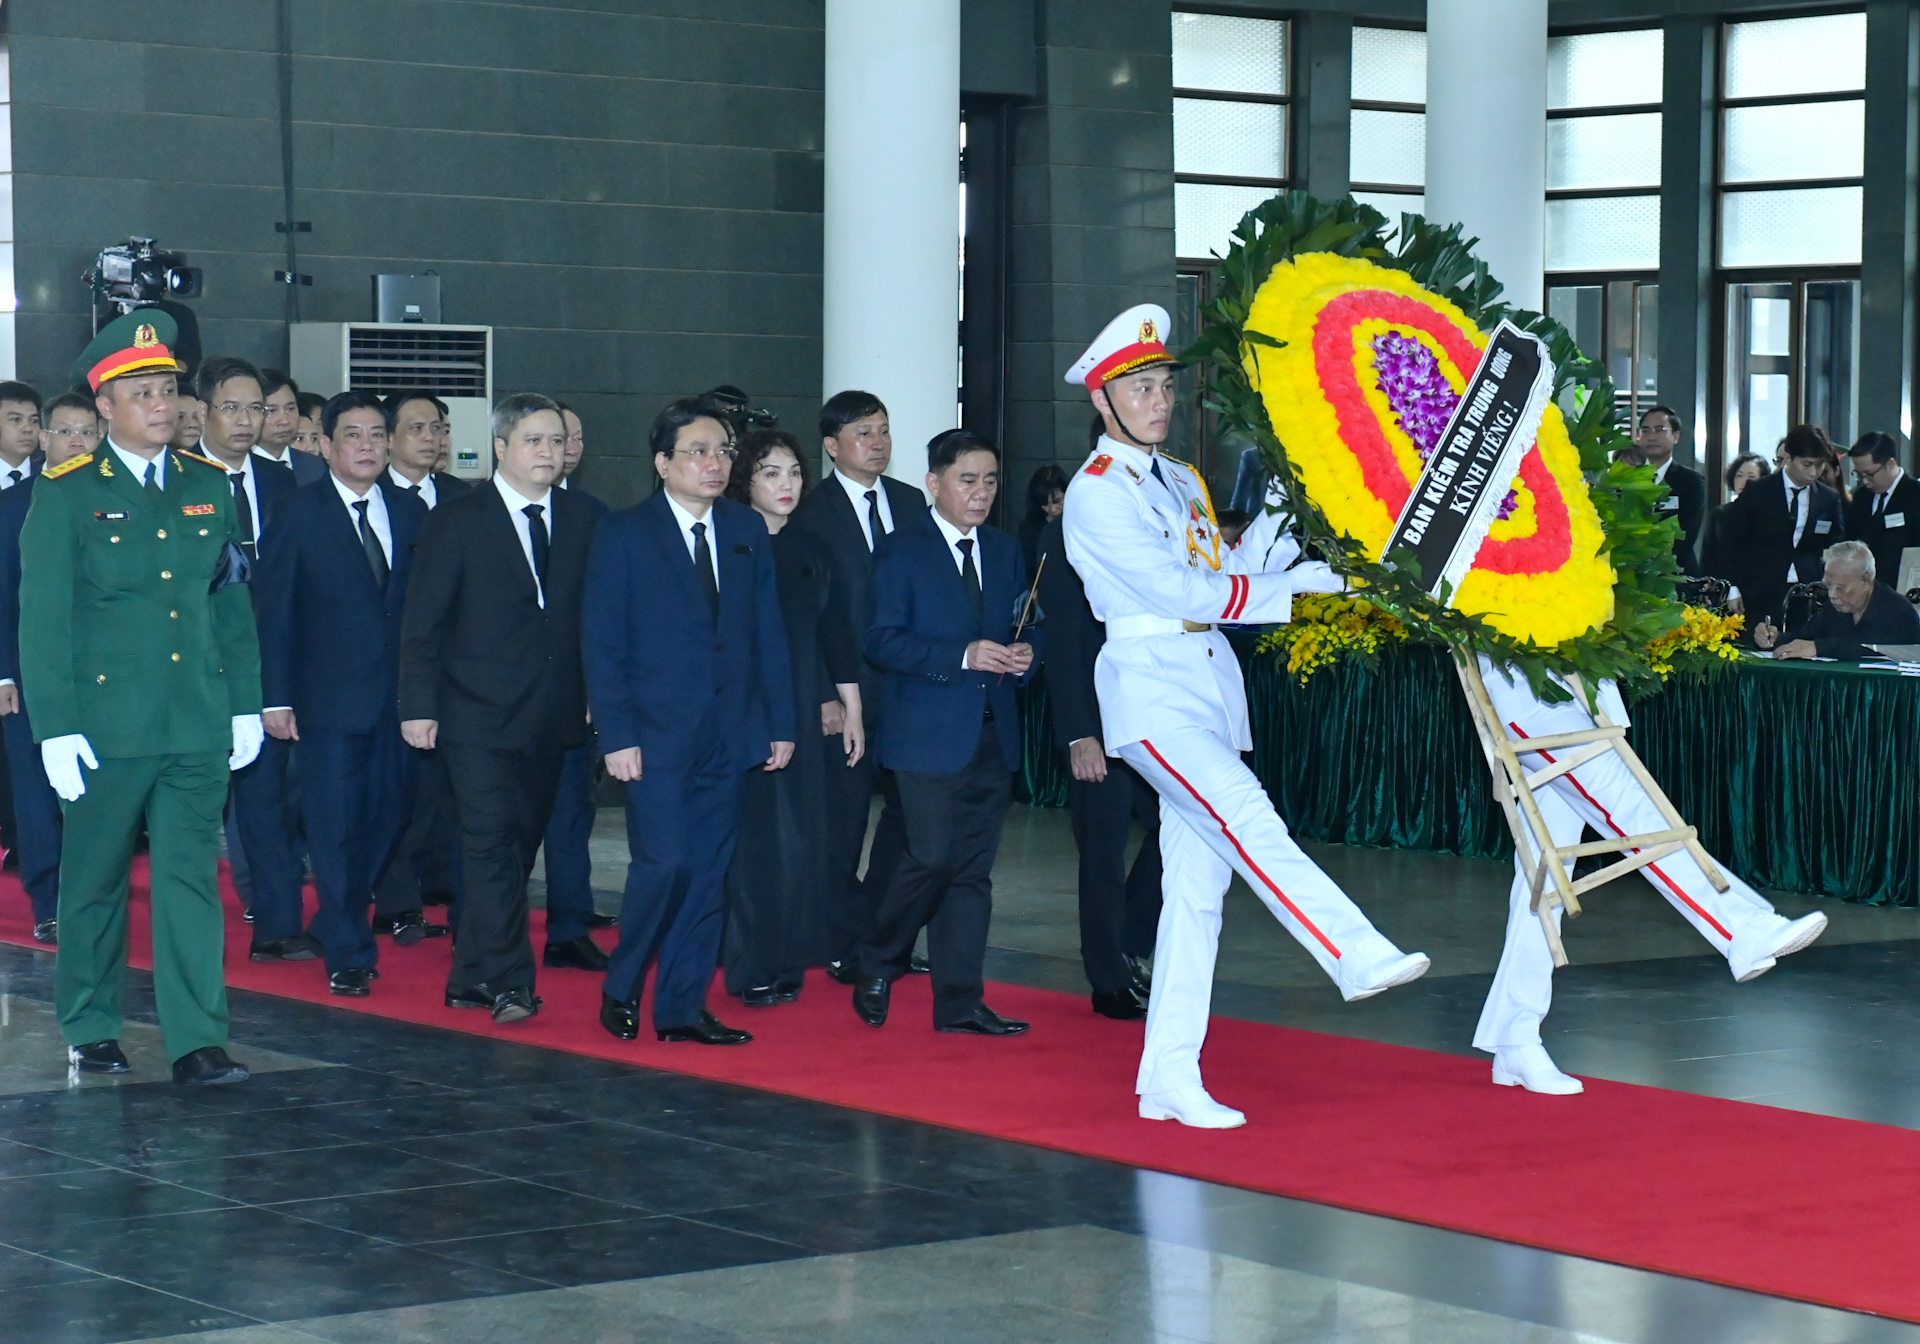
[(280, 397), (683, 593), (1861, 612), (1772, 536), (570, 912), (261, 825), (328, 597), (1885, 510), (948, 590), (22, 451), (490, 678), (72, 430), (426, 866), (854, 510), (1686, 497), (1119, 908)]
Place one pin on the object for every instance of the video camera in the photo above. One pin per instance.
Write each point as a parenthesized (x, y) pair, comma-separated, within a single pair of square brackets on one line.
[(137, 274), (738, 412)]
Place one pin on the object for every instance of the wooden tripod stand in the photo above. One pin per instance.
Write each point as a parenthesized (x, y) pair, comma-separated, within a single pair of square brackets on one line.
[(1542, 861)]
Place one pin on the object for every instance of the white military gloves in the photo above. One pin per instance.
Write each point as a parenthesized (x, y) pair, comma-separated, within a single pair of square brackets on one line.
[(248, 733), (61, 757), (1314, 576)]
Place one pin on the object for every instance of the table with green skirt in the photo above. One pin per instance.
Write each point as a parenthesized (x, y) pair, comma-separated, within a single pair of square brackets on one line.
[(1801, 776)]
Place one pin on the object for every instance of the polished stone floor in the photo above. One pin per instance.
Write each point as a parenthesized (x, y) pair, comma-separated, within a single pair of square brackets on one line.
[(380, 1181)]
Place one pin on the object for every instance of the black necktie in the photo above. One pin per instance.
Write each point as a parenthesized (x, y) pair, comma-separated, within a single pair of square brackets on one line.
[(537, 533), (244, 507), (703, 567), (151, 480), (370, 543), (1155, 469), (1878, 502), (14, 477), (971, 578), (875, 528)]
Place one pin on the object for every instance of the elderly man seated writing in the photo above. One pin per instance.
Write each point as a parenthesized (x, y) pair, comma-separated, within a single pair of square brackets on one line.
[(1862, 612)]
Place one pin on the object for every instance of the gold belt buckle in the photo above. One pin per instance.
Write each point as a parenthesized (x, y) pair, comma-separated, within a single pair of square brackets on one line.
[(1195, 627)]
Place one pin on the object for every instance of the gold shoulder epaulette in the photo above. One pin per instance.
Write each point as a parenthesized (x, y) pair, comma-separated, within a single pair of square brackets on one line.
[(203, 461), (71, 464)]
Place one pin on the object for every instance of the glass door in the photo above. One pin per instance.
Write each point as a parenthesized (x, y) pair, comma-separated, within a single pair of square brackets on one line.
[(1791, 359), (1618, 323)]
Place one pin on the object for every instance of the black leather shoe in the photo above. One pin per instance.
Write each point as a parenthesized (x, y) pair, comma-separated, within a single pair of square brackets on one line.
[(983, 1021), (247, 915), (622, 1020), (476, 996), (1122, 1005), (578, 954), (406, 928), (599, 921), (47, 931), (208, 1065), (297, 948), (709, 1030), (919, 965), (1142, 971), (436, 898), (763, 996), (98, 1057), (353, 983), (514, 1005), (870, 1001), (843, 972), (786, 993)]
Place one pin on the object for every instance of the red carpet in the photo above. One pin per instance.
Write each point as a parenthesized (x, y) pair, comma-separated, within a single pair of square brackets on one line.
[(1777, 1201)]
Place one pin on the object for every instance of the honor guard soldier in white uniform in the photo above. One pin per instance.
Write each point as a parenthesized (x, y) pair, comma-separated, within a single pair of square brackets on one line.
[(1141, 533), (1602, 794)]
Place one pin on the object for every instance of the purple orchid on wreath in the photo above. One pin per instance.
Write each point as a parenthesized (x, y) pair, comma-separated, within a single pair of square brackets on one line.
[(1422, 399)]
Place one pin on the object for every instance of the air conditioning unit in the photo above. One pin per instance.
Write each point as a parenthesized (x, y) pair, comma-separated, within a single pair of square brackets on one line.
[(454, 364)]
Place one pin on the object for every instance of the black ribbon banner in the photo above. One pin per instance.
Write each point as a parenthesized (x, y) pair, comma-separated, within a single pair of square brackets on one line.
[(1453, 504)]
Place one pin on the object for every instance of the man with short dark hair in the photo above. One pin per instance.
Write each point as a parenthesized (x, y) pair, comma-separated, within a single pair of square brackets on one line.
[(948, 591), (854, 510), (1686, 497), (1885, 509), (331, 589), (490, 677), (682, 592), (190, 420), (20, 449), (1772, 535), (72, 430), (280, 395), (416, 448)]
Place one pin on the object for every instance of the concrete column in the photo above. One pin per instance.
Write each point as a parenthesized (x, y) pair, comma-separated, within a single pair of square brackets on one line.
[(1687, 290), (890, 281), (1487, 133), (1323, 103), (1887, 251)]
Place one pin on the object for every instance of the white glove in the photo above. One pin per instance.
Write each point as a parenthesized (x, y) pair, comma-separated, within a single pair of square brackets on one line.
[(248, 734), (61, 757), (1314, 576)]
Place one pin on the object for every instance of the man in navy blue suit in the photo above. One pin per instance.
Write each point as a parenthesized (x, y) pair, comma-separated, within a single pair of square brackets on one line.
[(72, 428), (266, 862), (949, 592), (687, 676), (328, 598), (570, 912)]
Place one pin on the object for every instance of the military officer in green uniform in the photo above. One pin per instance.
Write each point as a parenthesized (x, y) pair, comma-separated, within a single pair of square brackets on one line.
[(140, 664)]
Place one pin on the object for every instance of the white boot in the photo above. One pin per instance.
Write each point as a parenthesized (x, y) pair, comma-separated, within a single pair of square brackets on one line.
[(1763, 941), (1531, 1067), (1366, 971), (1191, 1106)]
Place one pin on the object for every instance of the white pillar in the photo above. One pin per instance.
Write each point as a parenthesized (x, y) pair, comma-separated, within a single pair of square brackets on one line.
[(1487, 133), (891, 284)]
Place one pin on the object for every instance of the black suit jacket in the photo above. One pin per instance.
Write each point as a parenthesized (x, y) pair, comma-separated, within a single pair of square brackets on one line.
[(305, 468), (1686, 500), (1074, 638), (1753, 542), (329, 636), (828, 513), (1896, 528), (272, 483), (1888, 619), (14, 503), (478, 652)]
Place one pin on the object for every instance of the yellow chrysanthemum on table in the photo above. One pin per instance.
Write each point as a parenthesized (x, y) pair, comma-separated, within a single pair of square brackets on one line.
[(1701, 638), (1329, 627)]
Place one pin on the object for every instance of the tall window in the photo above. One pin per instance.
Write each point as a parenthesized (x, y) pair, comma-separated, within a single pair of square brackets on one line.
[(1387, 160), (1793, 120), (1230, 96)]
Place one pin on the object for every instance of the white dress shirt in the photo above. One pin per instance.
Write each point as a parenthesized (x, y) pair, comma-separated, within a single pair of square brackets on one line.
[(138, 465), (251, 486), (686, 522), (12, 476), (285, 459), (858, 494), (376, 514), (516, 504), (1881, 499), (427, 492)]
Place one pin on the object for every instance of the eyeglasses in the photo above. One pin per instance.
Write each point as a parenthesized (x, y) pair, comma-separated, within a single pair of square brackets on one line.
[(255, 408), (707, 454)]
